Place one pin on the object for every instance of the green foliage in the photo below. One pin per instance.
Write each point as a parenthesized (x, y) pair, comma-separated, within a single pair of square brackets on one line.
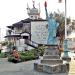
[(3, 55), (10, 58), (4, 43), (13, 59), (27, 53), (10, 44), (24, 56), (39, 51)]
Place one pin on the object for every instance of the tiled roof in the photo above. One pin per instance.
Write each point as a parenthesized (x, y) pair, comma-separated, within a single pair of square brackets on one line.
[(18, 24), (11, 27), (28, 20)]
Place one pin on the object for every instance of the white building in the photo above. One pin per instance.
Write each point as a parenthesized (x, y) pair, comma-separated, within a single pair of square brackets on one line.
[(29, 32)]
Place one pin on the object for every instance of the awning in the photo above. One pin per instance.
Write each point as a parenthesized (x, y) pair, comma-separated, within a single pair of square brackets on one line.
[(14, 35), (24, 34)]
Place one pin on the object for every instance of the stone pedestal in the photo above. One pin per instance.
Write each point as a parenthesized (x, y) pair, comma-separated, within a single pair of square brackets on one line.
[(51, 62)]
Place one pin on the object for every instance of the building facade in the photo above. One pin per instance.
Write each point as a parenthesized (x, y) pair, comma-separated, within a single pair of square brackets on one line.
[(29, 32)]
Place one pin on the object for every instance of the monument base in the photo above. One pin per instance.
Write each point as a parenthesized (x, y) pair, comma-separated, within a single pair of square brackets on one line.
[(62, 68), (51, 62)]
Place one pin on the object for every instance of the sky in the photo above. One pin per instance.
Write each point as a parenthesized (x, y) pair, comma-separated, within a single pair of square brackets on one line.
[(12, 11)]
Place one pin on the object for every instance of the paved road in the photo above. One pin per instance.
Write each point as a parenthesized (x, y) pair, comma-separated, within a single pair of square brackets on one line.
[(24, 68)]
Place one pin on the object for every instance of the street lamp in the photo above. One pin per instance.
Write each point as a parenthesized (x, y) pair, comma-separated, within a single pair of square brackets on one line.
[(65, 19), (66, 56)]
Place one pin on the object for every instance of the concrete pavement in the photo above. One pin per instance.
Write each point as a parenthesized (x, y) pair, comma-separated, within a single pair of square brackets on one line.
[(26, 68), (72, 67)]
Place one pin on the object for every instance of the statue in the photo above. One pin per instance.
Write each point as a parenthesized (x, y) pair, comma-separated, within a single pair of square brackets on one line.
[(52, 28), (51, 62)]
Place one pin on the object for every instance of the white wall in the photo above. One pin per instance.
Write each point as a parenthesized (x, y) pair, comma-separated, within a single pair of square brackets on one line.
[(20, 44), (39, 32)]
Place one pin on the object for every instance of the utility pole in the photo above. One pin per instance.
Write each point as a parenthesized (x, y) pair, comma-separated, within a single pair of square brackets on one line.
[(66, 56)]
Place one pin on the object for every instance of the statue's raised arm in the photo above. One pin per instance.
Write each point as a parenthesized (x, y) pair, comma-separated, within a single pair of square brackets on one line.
[(52, 27), (47, 17)]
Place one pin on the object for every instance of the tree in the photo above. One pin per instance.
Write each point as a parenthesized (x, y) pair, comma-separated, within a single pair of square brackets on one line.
[(39, 51), (4, 43), (60, 18)]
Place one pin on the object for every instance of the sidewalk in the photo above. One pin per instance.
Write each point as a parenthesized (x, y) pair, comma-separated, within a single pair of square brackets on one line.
[(72, 67), (26, 68)]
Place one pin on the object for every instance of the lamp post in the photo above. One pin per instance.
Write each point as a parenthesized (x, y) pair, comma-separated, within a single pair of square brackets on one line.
[(66, 56), (65, 19)]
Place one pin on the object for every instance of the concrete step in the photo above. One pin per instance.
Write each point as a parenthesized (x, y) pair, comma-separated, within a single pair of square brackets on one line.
[(51, 61), (51, 57), (59, 68)]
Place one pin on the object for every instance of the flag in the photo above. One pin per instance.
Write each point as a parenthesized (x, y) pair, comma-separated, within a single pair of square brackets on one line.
[(60, 1)]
